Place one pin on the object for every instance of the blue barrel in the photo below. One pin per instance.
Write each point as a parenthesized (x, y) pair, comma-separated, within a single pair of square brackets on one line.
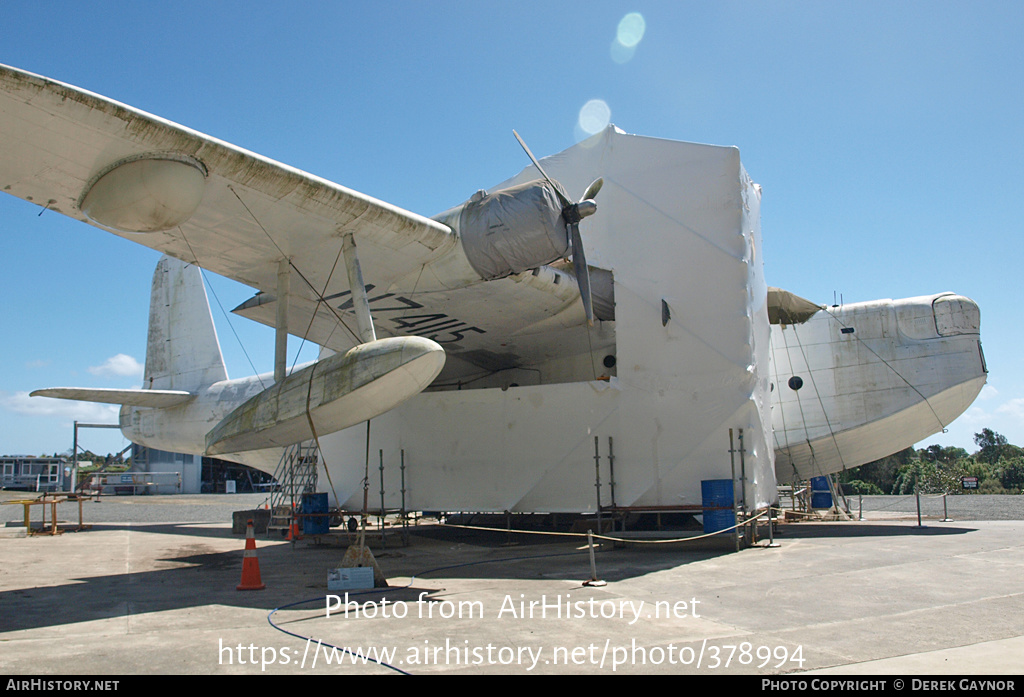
[(821, 496), (717, 495), (312, 522)]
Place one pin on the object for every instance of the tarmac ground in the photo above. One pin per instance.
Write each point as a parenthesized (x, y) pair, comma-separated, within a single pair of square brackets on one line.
[(150, 588)]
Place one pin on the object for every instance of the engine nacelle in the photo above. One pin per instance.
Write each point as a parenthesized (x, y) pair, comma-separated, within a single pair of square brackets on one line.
[(510, 230)]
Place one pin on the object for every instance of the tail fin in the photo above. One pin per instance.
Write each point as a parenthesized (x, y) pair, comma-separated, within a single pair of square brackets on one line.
[(183, 352)]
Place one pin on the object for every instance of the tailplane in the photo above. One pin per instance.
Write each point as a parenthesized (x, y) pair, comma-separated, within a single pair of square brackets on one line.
[(183, 352)]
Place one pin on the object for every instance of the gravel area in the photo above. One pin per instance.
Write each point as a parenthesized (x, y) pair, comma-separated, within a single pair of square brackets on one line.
[(217, 508), (173, 508), (959, 506)]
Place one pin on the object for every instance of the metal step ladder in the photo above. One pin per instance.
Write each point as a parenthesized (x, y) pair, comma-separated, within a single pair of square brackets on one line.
[(296, 474), (795, 497)]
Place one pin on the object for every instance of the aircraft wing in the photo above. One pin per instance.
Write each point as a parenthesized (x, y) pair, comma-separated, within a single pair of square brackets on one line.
[(239, 214), (59, 143), (523, 320)]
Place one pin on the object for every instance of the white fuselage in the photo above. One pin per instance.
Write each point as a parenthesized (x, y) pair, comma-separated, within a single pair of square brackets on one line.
[(696, 364), (858, 382), (183, 428), (537, 438), (677, 375)]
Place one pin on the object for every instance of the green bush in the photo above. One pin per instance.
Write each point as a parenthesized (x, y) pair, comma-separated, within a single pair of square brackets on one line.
[(992, 486), (856, 486), (998, 465), (1011, 474)]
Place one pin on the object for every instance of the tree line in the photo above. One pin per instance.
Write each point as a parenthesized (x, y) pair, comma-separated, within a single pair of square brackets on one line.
[(998, 466)]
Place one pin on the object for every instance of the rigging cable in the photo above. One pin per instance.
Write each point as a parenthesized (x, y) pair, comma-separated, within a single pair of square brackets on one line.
[(309, 384), (821, 403), (320, 300), (782, 411), (800, 404), (942, 426), (412, 579), (195, 260), (302, 276)]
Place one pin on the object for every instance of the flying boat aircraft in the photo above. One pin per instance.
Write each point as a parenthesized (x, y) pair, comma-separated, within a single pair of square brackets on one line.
[(527, 350)]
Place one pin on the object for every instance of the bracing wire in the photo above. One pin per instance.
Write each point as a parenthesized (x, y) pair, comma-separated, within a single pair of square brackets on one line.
[(782, 412), (302, 276), (224, 312), (320, 300), (800, 405), (863, 343), (821, 403)]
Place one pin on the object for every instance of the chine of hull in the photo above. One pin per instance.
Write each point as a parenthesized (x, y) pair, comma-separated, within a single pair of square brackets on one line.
[(877, 439)]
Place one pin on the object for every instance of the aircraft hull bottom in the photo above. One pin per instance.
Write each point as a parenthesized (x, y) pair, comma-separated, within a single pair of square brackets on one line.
[(876, 439)]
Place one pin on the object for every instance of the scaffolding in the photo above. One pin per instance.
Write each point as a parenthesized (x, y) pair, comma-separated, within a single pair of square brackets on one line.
[(296, 474)]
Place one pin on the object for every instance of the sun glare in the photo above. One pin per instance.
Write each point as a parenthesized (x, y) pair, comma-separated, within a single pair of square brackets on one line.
[(628, 35), (594, 116)]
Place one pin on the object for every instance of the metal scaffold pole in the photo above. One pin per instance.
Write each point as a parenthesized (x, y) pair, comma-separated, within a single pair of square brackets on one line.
[(597, 478), (611, 470), (735, 502), (405, 512), (383, 538)]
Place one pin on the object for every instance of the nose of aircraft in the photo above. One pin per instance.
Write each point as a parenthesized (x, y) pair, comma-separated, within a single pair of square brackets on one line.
[(955, 314), (935, 316)]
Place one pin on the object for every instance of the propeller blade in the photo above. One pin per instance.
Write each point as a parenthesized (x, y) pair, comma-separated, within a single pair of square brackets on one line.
[(561, 196), (573, 213), (579, 266), (592, 190)]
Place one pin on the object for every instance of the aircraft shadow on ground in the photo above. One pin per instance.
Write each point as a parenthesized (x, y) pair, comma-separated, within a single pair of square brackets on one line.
[(197, 575), (851, 530)]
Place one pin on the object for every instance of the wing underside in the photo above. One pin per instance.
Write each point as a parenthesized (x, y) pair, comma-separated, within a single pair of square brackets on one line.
[(81, 154), (58, 141), (519, 322)]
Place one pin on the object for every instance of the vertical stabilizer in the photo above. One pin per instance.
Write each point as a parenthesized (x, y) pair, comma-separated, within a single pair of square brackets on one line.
[(183, 352)]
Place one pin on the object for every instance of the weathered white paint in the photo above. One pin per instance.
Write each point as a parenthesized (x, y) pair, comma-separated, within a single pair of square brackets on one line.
[(330, 394), (677, 221), (146, 193), (284, 276), (876, 377), (512, 424), (157, 399), (355, 282)]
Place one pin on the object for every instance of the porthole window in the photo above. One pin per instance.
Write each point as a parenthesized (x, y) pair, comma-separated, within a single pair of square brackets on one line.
[(796, 382)]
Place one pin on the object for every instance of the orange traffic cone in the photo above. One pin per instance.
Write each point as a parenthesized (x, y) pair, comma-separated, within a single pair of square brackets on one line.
[(250, 564), (293, 532)]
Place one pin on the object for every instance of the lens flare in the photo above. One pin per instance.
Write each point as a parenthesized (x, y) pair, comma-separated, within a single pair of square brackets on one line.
[(621, 54), (594, 116), (631, 29)]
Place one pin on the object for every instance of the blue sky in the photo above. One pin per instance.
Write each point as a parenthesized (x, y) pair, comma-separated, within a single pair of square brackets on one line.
[(887, 138)]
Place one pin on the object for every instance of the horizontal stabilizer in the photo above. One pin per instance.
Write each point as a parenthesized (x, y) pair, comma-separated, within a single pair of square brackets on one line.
[(134, 398)]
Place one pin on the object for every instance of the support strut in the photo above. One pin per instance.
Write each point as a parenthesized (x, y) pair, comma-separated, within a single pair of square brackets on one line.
[(284, 270), (360, 303)]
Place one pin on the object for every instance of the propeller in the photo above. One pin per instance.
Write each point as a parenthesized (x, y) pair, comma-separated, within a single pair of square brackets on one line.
[(573, 213)]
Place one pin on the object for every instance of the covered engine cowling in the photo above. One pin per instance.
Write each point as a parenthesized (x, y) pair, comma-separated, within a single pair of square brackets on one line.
[(513, 230)]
